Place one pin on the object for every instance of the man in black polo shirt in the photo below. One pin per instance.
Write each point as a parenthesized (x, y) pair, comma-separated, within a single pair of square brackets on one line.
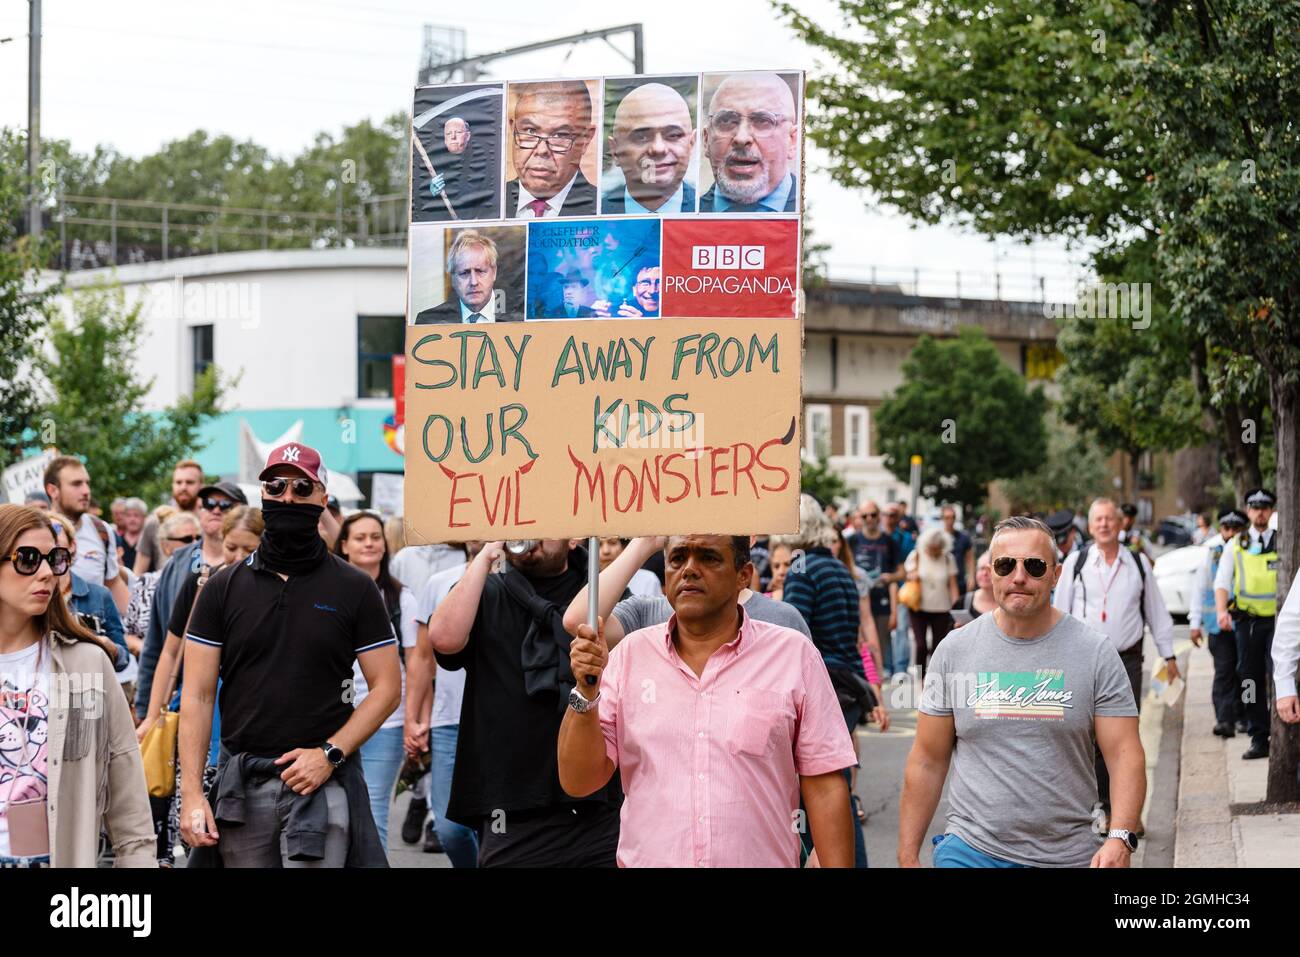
[(506, 783), (283, 628)]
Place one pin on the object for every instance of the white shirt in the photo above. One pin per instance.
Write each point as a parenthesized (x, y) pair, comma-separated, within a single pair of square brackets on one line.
[(1223, 580), (407, 637), (1286, 642), (555, 202), (645, 583), (1203, 580), (92, 563), (448, 686), (1115, 589), (24, 690), (674, 204), (414, 564), (488, 312)]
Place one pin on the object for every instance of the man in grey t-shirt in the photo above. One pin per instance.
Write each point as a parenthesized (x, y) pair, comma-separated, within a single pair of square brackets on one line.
[(1012, 701), (632, 614)]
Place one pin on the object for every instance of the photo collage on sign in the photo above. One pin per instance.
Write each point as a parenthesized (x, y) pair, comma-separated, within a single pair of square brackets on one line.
[(618, 198)]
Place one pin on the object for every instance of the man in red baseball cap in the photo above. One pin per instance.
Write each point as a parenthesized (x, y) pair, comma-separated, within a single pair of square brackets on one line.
[(292, 617)]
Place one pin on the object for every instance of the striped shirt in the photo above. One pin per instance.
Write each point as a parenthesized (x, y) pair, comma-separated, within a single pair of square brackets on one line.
[(823, 591)]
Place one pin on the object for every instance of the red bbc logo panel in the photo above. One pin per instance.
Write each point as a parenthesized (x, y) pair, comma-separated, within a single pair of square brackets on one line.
[(730, 268)]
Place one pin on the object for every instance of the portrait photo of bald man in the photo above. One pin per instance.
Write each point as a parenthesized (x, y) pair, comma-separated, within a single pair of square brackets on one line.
[(551, 138), (651, 156), (751, 130), (456, 152)]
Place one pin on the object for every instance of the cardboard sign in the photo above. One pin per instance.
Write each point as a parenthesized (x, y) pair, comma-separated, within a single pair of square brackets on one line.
[(577, 428), (27, 476), (635, 371)]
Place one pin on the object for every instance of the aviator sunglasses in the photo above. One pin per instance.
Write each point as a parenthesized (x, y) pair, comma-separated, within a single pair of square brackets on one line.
[(275, 487), (27, 559), (1034, 567)]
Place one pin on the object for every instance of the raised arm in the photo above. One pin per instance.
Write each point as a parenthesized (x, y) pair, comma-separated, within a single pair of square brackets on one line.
[(613, 582), (451, 623)]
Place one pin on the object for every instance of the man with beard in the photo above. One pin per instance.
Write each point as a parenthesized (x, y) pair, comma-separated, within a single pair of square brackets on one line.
[(466, 176), (751, 138), (507, 632), (652, 142), (292, 617), (756, 716), (645, 296), (549, 131), (68, 485), (187, 476)]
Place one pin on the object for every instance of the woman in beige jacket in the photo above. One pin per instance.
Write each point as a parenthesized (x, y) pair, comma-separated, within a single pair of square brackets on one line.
[(69, 760)]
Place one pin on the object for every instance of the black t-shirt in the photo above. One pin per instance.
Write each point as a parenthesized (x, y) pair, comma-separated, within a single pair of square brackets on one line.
[(876, 556), (505, 755), (287, 648)]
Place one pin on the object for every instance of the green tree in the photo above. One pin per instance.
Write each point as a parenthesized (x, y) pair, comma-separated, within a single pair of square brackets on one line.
[(1222, 85), (24, 308), (1073, 473), (819, 481), (97, 400), (967, 414)]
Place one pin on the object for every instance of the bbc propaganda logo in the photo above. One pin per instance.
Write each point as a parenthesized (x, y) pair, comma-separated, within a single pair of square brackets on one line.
[(728, 257)]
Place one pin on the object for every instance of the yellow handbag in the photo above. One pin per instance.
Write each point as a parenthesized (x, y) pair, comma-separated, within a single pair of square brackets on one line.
[(910, 595), (158, 749)]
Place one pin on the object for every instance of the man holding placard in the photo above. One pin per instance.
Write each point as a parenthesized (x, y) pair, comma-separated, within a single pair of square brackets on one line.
[(717, 722)]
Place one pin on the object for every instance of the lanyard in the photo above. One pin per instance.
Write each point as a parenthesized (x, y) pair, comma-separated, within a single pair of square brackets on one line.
[(1106, 583)]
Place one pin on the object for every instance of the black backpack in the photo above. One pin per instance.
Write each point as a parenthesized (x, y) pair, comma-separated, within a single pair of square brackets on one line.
[(1142, 577)]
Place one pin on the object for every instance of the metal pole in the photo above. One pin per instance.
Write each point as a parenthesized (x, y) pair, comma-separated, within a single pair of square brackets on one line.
[(638, 50), (164, 235), (34, 118), (112, 218), (593, 588)]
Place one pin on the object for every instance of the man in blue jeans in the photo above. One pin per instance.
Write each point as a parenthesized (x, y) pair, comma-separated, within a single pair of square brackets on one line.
[(440, 731), (1013, 702)]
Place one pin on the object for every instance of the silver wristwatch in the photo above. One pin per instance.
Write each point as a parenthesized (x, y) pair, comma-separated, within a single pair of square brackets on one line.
[(580, 704), (1128, 837)]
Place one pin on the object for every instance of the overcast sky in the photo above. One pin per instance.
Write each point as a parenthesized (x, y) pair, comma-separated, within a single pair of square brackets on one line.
[(137, 73)]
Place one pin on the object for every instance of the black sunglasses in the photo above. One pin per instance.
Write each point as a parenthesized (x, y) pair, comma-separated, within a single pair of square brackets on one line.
[(27, 559), (1034, 567), (219, 504), (183, 539), (275, 487)]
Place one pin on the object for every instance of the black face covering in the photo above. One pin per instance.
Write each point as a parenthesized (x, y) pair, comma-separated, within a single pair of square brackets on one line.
[(291, 543)]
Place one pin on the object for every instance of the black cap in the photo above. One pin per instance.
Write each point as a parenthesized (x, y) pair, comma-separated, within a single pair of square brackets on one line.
[(1260, 498), (1129, 509), (1233, 517), (1060, 522), (229, 489)]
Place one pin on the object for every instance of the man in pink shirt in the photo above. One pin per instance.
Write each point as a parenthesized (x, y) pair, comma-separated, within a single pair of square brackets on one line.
[(716, 722)]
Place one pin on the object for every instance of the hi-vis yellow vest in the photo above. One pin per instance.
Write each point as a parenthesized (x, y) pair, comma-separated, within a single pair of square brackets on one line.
[(1254, 580)]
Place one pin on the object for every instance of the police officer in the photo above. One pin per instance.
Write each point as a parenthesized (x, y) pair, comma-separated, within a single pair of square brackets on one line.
[(1203, 619), (1247, 575), (1065, 529), (1130, 536)]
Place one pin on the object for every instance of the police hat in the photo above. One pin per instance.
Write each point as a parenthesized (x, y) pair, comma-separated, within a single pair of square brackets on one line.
[(1129, 509), (1260, 498), (1060, 522), (1233, 517)]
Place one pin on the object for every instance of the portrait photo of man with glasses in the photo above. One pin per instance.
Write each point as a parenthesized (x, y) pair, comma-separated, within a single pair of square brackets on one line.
[(751, 137), (552, 134)]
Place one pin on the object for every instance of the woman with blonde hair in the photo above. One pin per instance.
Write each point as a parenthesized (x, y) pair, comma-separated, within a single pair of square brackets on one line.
[(932, 565), (74, 766)]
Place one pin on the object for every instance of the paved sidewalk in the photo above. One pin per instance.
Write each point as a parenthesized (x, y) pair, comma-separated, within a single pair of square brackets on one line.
[(1214, 777)]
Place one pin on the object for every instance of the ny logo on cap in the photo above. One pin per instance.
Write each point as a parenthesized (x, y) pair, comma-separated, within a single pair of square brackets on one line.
[(290, 454)]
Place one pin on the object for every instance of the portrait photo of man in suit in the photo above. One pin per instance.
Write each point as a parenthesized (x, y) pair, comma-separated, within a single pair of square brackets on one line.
[(550, 129), (472, 263), (751, 138), (651, 147), (456, 153)]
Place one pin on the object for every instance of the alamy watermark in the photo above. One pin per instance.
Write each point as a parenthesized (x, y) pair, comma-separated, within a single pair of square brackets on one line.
[(1107, 300)]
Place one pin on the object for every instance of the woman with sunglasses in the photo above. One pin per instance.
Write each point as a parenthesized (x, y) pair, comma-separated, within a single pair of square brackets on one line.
[(241, 533), (362, 542), (68, 758)]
